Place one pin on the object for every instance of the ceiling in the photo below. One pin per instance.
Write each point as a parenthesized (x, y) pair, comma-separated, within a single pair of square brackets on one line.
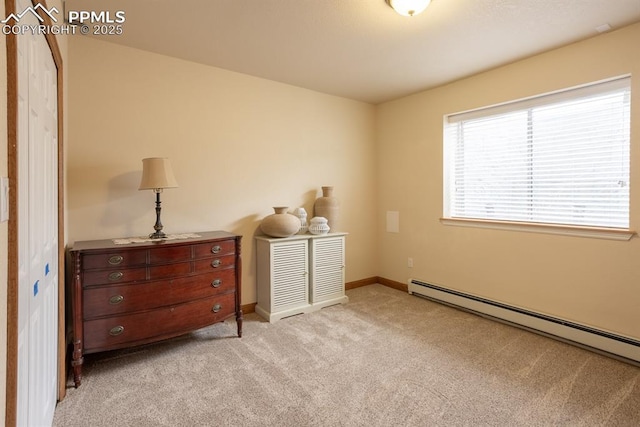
[(359, 49)]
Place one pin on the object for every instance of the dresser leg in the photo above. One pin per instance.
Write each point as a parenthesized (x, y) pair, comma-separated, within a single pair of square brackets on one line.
[(76, 363), (239, 319), (77, 371)]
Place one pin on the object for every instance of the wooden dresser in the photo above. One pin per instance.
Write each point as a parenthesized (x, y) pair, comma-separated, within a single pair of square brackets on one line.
[(123, 295)]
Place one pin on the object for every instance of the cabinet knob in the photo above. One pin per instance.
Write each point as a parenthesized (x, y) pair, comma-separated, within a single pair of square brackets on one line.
[(216, 263), (116, 299), (216, 249), (216, 283), (115, 259), (216, 308), (116, 330), (116, 275)]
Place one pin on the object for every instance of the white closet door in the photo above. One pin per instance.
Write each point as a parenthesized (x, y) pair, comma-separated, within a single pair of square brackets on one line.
[(38, 228)]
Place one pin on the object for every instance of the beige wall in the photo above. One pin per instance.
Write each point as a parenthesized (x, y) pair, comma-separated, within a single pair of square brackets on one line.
[(591, 281), (239, 145)]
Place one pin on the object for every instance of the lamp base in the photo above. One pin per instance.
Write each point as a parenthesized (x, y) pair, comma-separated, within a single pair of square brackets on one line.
[(158, 226), (158, 235)]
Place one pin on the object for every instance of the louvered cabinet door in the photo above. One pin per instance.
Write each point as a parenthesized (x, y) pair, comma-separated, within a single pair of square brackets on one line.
[(327, 269), (289, 263), (282, 277)]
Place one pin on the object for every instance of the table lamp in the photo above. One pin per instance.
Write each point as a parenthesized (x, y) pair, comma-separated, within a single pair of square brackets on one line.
[(157, 175)]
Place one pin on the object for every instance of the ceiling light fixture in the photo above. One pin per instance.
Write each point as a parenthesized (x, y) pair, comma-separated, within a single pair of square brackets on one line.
[(408, 7)]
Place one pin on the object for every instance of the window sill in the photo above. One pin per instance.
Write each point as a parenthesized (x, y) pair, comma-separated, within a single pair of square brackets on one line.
[(565, 230)]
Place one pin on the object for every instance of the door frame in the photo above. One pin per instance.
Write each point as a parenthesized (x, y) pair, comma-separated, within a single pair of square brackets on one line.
[(12, 261)]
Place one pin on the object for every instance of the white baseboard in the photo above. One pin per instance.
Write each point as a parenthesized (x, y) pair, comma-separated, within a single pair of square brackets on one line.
[(625, 348), (302, 309)]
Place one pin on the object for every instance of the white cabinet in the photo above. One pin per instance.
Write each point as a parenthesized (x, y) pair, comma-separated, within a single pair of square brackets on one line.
[(299, 274)]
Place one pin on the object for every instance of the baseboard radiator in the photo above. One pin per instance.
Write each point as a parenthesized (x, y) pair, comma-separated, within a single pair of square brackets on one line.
[(624, 348)]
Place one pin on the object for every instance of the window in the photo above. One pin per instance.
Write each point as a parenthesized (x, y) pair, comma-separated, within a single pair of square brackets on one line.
[(561, 158)]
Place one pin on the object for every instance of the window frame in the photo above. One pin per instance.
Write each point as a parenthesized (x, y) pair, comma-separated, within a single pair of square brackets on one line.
[(593, 88)]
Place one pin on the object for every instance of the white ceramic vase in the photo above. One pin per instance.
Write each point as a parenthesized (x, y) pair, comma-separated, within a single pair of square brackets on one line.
[(318, 225), (301, 213)]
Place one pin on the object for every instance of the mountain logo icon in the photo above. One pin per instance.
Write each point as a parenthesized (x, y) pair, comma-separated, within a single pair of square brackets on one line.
[(33, 10)]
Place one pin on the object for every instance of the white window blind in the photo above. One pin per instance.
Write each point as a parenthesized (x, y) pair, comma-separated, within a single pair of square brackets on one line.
[(556, 159)]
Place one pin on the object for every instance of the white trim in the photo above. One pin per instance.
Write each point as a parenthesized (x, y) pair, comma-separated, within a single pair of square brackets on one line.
[(610, 343), (565, 230), (589, 89), (305, 309)]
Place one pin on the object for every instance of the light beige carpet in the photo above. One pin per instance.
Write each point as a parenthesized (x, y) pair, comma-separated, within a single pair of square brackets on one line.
[(385, 358)]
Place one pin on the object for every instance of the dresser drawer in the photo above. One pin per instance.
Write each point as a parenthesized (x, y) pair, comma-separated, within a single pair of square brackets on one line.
[(111, 300), (121, 275), (114, 260), (169, 254), (217, 263), (225, 247), (122, 331), (168, 271)]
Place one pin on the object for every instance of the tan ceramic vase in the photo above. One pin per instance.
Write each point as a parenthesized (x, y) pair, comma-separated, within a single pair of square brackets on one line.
[(280, 223), (328, 207)]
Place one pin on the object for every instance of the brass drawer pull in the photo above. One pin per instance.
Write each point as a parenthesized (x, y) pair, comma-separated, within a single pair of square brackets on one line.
[(116, 275), (216, 249), (216, 283), (216, 308), (116, 259), (116, 299), (216, 263), (116, 330)]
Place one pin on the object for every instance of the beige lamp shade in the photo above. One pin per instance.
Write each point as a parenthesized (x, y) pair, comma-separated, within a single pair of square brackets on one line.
[(157, 174)]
